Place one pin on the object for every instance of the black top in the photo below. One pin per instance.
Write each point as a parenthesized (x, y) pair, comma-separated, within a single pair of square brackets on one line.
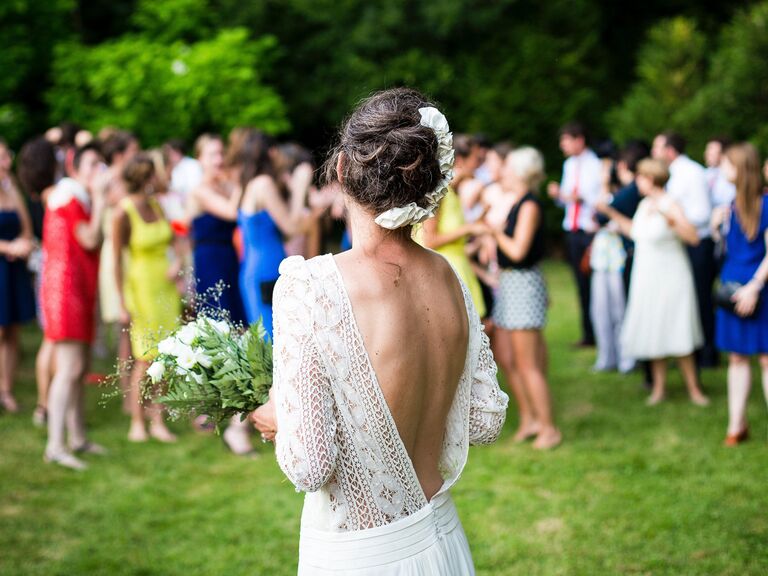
[(536, 251), (625, 201)]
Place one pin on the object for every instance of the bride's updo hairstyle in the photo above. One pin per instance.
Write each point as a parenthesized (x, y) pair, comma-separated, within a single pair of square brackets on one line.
[(388, 158)]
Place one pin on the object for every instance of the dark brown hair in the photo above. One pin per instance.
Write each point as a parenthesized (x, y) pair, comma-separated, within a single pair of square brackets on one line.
[(116, 143), (388, 158), (138, 173), (37, 166)]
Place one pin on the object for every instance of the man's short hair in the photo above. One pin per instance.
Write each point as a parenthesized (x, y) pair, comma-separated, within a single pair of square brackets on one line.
[(675, 141), (574, 130)]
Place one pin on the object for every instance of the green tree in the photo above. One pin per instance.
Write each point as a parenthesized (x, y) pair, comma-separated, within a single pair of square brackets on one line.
[(157, 84), (734, 99), (670, 71)]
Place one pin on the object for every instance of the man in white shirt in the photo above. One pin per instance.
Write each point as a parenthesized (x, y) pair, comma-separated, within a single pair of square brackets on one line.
[(688, 187), (721, 192), (578, 192)]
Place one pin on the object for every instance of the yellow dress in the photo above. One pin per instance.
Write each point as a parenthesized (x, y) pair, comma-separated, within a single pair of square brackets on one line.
[(150, 297), (450, 217)]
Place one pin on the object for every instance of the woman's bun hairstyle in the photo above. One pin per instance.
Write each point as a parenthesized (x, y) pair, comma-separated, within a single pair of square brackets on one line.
[(388, 158)]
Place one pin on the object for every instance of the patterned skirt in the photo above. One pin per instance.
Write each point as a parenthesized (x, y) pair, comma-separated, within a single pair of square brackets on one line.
[(521, 300)]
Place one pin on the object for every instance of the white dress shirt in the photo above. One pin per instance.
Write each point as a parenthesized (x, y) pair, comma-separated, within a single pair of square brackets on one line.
[(688, 187), (186, 176), (721, 192), (580, 191)]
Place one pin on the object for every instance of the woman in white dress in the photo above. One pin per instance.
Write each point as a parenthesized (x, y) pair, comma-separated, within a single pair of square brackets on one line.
[(383, 375), (662, 319)]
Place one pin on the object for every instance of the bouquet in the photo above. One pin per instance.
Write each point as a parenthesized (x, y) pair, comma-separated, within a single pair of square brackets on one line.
[(208, 369)]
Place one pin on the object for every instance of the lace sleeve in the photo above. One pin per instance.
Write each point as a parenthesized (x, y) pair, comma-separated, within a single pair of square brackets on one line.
[(305, 446), (487, 403)]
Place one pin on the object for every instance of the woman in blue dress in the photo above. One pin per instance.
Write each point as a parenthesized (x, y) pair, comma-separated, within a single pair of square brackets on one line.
[(744, 332), (213, 211), (265, 217), (17, 299)]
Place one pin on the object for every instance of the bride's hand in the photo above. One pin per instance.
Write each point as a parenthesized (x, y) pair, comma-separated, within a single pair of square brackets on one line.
[(263, 419)]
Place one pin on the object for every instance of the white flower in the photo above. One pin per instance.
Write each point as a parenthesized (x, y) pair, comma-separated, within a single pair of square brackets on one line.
[(195, 376), (433, 118), (221, 326), (186, 357), (168, 346), (202, 358), (187, 334), (156, 371)]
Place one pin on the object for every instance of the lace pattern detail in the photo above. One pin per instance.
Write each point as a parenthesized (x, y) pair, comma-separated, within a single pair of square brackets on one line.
[(336, 433)]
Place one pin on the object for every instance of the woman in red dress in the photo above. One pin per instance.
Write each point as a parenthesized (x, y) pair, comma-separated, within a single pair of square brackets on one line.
[(71, 242)]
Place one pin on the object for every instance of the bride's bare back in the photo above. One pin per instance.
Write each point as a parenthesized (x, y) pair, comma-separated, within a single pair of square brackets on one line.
[(413, 320)]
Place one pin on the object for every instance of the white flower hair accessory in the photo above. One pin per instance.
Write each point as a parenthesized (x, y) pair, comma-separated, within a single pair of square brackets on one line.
[(412, 213)]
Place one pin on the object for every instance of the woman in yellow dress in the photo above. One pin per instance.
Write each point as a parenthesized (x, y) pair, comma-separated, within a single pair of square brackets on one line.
[(149, 299), (447, 233)]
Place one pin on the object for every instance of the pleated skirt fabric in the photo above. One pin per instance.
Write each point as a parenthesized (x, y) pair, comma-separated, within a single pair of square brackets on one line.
[(430, 542)]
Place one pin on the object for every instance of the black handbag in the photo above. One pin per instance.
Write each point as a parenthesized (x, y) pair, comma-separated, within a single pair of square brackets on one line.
[(724, 297), (267, 290)]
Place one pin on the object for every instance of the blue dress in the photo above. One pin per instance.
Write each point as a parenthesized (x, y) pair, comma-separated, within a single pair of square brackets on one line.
[(17, 298), (215, 262), (735, 334), (263, 253)]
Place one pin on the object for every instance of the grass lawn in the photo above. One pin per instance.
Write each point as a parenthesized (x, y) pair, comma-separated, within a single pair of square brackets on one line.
[(633, 490)]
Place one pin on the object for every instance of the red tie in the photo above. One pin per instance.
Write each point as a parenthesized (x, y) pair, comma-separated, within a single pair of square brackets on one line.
[(575, 198)]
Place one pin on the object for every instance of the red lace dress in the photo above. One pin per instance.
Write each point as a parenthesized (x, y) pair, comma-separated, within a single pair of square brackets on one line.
[(70, 272)]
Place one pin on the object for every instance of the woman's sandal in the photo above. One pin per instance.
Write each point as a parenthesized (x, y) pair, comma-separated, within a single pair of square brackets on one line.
[(89, 447), (65, 460), (738, 438)]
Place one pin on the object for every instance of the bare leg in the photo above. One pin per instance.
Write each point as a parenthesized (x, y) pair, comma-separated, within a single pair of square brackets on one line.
[(44, 372), (9, 337), (764, 369), (525, 346), (739, 383), (70, 369), (138, 431), (237, 436), (124, 358), (659, 372), (690, 374), (502, 351)]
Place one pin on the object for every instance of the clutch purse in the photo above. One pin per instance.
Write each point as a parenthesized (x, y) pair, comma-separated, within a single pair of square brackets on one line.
[(724, 294)]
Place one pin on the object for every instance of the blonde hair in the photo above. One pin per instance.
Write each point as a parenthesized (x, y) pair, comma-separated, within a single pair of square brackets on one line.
[(654, 169), (528, 164), (749, 186)]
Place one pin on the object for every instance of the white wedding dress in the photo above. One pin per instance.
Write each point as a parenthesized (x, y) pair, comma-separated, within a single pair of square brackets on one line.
[(365, 511)]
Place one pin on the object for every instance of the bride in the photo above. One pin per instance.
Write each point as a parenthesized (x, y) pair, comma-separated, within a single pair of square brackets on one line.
[(383, 375)]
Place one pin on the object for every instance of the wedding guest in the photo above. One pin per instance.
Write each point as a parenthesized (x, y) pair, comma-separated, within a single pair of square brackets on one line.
[(212, 210), (265, 217), (609, 296), (743, 331), (688, 187), (520, 309), (17, 299), (186, 172), (71, 243), (578, 192), (661, 319), (721, 191), (37, 172), (469, 156), (448, 232), (118, 150), (287, 159), (147, 294)]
